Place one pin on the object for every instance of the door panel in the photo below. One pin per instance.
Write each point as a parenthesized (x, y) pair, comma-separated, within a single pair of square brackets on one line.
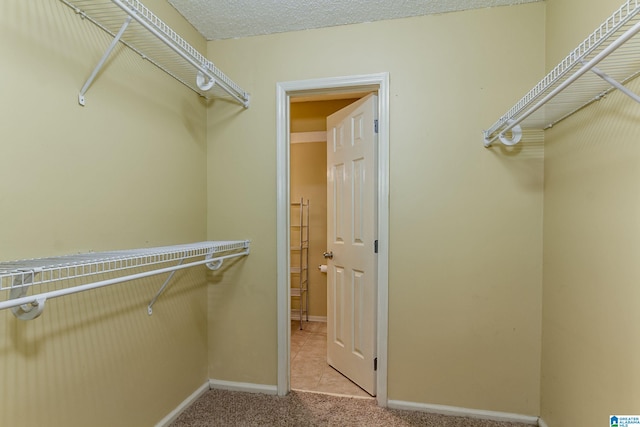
[(337, 212), (358, 340), (339, 298), (358, 189), (352, 219)]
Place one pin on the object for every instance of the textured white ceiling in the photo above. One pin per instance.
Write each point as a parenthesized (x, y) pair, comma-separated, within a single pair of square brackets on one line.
[(223, 19)]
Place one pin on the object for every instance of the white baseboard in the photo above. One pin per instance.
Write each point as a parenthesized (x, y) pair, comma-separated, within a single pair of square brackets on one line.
[(247, 387), (173, 415), (541, 423), (463, 412)]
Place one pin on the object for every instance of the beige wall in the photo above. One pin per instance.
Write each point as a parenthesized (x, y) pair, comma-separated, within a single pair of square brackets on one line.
[(466, 222), (125, 171), (590, 365)]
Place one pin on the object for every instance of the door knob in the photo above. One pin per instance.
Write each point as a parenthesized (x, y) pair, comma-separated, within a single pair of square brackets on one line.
[(328, 254)]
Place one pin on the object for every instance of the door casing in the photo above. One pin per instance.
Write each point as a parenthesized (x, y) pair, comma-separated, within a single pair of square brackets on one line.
[(284, 92)]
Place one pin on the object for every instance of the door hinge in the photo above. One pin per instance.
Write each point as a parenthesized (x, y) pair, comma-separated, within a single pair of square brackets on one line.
[(375, 247), (375, 364), (375, 125)]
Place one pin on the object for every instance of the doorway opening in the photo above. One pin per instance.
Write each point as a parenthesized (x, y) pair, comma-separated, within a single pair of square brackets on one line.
[(310, 366), (330, 91)]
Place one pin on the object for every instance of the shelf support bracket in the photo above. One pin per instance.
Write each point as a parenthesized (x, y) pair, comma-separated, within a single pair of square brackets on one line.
[(161, 290), (212, 263), (104, 58), (613, 82)]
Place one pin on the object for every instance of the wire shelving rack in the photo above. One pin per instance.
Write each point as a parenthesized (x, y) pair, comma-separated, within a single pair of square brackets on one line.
[(19, 276), (133, 24), (606, 60)]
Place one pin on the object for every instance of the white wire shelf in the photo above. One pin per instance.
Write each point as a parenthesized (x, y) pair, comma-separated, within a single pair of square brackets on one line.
[(156, 42), (19, 276), (604, 61)]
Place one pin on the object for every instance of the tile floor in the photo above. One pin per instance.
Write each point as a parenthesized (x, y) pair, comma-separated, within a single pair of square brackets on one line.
[(309, 368)]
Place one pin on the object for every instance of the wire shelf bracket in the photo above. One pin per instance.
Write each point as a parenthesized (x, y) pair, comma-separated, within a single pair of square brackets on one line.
[(20, 276), (579, 79), (156, 42)]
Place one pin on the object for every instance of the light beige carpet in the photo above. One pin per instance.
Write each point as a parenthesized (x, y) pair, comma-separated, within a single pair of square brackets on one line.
[(229, 408)]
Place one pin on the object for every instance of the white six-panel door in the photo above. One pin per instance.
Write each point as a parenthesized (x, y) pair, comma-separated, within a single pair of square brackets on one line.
[(351, 234)]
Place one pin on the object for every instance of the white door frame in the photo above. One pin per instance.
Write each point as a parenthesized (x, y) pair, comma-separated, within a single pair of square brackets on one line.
[(284, 92)]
